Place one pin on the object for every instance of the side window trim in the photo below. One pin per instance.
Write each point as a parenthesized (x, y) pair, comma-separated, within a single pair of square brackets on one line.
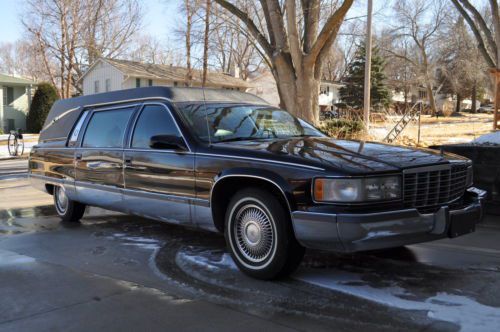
[(104, 109), (136, 119), (77, 129)]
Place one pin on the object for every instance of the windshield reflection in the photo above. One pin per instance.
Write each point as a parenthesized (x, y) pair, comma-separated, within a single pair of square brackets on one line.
[(225, 123)]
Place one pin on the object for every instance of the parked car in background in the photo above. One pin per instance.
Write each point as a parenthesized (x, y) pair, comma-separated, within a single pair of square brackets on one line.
[(228, 162), (328, 115), (488, 109)]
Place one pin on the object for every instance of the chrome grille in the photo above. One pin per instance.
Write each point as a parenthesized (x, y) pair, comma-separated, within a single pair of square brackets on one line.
[(435, 185)]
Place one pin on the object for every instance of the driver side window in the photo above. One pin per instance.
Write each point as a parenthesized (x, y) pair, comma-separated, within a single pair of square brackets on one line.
[(153, 120)]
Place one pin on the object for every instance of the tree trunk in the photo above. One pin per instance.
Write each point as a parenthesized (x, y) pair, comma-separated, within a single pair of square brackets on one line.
[(495, 73), (430, 97), (496, 114), (459, 101), (474, 97), (298, 95)]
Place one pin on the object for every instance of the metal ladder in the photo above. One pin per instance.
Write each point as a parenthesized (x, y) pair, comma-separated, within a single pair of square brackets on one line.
[(412, 114)]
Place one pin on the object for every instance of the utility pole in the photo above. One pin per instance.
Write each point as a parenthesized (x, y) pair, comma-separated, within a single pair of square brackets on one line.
[(368, 64)]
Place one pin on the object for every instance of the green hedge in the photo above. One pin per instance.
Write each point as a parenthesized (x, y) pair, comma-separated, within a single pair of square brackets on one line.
[(44, 98), (343, 129)]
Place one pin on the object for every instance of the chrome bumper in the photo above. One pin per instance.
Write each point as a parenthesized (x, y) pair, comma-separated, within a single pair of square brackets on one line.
[(359, 232)]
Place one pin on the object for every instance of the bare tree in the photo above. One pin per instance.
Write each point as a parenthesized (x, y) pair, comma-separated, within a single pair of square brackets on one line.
[(402, 74), (72, 33), (295, 45), (461, 67), (55, 24), (20, 58), (149, 49), (488, 40), (190, 27), (419, 22), (231, 48), (109, 28)]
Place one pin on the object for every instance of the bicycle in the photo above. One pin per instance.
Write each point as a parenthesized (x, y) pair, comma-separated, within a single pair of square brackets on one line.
[(15, 143)]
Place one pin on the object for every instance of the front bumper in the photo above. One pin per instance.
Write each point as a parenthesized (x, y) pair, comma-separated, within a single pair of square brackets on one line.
[(359, 232)]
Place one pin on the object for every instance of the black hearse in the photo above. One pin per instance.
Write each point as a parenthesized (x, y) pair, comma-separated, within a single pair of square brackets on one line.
[(227, 161)]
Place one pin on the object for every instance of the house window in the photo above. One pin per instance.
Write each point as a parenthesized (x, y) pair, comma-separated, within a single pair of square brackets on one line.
[(175, 83), (8, 95), (137, 82), (150, 82), (422, 94), (96, 86), (108, 84)]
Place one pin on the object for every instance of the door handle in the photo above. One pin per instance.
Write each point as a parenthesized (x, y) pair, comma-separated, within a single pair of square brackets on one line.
[(128, 160), (78, 156)]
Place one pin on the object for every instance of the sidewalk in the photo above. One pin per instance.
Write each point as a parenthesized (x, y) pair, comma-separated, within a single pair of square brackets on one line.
[(29, 141)]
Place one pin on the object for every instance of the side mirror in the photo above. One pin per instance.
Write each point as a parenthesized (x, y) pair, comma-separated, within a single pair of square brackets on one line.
[(167, 142)]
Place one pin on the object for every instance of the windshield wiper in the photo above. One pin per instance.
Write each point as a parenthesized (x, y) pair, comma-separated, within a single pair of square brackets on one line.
[(236, 139), (305, 135)]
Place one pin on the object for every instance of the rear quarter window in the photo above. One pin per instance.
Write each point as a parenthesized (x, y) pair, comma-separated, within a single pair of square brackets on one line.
[(106, 129)]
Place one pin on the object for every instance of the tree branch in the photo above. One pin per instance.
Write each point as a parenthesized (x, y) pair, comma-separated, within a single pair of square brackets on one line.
[(252, 28), (293, 35), (482, 24), (332, 24), (476, 32)]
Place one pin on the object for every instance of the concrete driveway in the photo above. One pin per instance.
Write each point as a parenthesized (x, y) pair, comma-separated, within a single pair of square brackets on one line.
[(117, 272)]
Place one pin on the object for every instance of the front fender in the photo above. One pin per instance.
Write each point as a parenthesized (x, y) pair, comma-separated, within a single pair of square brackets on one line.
[(265, 175)]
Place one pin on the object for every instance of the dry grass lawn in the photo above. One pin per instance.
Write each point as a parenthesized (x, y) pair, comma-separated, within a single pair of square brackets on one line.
[(433, 131)]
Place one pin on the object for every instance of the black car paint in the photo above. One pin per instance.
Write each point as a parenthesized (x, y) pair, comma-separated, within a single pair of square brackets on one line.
[(290, 164)]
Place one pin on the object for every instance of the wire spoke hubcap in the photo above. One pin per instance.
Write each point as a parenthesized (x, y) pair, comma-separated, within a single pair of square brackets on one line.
[(254, 233)]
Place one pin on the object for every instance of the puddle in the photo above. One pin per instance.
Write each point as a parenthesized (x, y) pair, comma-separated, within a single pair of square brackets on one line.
[(32, 212), (136, 241), (412, 288), (9, 258), (466, 312)]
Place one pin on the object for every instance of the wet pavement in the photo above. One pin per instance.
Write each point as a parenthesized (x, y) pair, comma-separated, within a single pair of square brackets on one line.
[(118, 272)]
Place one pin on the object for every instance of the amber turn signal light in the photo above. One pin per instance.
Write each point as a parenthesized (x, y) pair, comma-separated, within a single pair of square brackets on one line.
[(318, 189)]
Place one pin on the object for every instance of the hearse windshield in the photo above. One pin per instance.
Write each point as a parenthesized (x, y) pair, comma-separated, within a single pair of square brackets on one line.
[(225, 123)]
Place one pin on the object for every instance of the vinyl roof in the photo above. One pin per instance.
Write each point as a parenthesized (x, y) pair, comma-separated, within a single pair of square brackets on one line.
[(64, 113)]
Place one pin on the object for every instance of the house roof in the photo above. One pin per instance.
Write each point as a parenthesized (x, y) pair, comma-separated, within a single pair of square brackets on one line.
[(173, 73), (6, 79)]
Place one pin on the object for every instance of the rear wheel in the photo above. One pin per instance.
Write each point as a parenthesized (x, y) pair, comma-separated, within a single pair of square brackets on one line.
[(67, 209), (259, 235)]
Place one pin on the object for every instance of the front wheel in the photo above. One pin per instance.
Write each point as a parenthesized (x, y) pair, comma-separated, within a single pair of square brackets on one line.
[(67, 209), (259, 235), (12, 145)]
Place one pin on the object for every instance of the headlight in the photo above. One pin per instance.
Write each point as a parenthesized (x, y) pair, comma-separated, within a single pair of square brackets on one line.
[(357, 190)]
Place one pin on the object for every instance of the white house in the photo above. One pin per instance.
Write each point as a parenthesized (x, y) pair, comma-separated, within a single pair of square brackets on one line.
[(111, 74), (329, 95), (15, 97), (264, 86)]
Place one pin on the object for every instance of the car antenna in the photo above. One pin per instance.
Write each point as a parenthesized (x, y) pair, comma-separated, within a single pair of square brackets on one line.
[(206, 114)]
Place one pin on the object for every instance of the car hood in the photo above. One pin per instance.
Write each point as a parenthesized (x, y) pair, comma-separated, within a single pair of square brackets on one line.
[(340, 155)]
